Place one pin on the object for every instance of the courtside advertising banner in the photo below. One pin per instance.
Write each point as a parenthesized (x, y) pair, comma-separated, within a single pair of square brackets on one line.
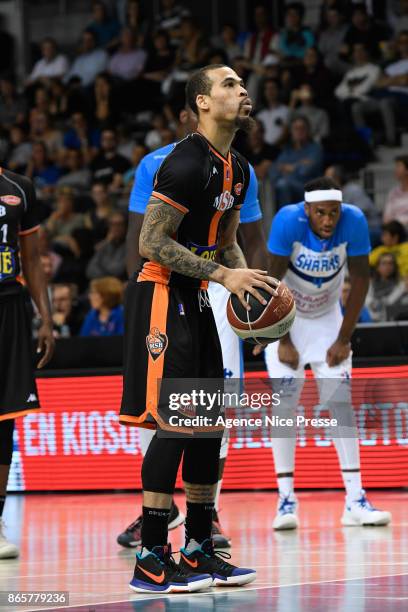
[(76, 442)]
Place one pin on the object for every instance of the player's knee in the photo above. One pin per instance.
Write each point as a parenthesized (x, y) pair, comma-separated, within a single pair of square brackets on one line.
[(160, 476), (201, 461)]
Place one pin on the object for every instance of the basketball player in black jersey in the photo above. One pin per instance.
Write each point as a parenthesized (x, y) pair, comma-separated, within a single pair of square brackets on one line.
[(188, 237), (18, 392)]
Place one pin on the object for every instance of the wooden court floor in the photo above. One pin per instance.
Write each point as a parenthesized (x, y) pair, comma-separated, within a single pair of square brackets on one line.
[(68, 542)]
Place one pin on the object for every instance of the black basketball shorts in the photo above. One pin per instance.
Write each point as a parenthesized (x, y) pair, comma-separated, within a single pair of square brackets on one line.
[(18, 390), (170, 332)]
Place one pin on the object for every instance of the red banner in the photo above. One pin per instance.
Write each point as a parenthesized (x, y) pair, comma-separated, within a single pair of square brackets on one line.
[(76, 443)]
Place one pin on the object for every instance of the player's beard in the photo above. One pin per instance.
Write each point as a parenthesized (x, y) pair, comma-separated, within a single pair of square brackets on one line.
[(244, 123)]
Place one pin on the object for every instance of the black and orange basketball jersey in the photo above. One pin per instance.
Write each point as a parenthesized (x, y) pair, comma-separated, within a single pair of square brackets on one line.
[(18, 216), (204, 185)]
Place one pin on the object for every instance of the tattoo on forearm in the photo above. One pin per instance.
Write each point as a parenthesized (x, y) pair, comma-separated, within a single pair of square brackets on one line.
[(162, 221), (198, 493), (232, 256)]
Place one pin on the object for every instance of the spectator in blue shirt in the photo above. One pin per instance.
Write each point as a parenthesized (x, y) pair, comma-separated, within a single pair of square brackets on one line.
[(365, 316), (300, 161), (81, 136), (42, 171), (105, 28), (106, 315), (294, 39)]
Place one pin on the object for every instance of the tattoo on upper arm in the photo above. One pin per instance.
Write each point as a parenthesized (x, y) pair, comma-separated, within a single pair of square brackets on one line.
[(232, 256), (161, 222), (230, 253)]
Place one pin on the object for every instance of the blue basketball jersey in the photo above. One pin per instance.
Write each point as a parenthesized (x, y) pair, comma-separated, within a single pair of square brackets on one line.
[(316, 265), (146, 171)]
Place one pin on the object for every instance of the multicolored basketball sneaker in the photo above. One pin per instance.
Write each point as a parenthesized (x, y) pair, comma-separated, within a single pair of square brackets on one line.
[(219, 538), (204, 559), (132, 536), (157, 572)]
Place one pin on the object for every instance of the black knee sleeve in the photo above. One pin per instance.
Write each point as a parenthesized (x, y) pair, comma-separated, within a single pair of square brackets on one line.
[(6, 441), (201, 460), (161, 463)]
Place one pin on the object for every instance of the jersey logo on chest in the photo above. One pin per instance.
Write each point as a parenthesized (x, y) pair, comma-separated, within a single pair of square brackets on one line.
[(12, 200), (224, 201)]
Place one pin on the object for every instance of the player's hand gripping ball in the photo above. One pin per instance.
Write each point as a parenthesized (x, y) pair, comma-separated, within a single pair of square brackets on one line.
[(262, 324)]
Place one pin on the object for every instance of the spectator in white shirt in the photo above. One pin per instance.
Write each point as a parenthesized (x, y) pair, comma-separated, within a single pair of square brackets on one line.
[(359, 80), (396, 206), (302, 103), (89, 62), (397, 15), (274, 117), (391, 96), (355, 89), (331, 38), (395, 78), (52, 64), (129, 60)]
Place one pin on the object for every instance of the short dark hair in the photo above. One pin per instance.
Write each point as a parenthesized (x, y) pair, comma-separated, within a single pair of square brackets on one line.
[(50, 40), (323, 182), (395, 228), (295, 6), (359, 7), (200, 84), (303, 118), (403, 159)]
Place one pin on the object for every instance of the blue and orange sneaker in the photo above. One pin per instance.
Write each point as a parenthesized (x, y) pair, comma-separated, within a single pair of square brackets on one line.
[(204, 559), (157, 572)]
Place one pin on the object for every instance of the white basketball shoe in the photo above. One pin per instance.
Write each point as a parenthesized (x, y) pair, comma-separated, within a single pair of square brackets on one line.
[(360, 512), (286, 515), (7, 549)]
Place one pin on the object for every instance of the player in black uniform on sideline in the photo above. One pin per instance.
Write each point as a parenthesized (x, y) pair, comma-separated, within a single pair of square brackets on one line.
[(18, 391), (188, 237)]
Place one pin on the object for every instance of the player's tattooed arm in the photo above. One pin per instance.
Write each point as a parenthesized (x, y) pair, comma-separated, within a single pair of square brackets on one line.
[(229, 252), (161, 222)]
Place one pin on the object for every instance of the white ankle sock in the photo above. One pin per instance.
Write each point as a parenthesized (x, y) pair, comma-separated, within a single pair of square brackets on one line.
[(285, 484), (352, 483)]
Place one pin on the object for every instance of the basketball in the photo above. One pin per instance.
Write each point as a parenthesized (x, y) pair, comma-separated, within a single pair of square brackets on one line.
[(262, 324)]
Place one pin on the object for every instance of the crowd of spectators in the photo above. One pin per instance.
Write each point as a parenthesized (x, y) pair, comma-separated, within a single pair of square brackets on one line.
[(324, 98)]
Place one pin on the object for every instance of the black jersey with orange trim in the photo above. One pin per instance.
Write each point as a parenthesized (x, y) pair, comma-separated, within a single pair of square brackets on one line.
[(203, 185), (18, 216)]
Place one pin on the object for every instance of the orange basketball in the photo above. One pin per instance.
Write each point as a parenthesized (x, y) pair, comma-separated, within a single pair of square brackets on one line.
[(262, 324)]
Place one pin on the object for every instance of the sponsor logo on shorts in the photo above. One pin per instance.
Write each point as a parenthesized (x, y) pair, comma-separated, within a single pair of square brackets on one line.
[(156, 343), (11, 200), (238, 188)]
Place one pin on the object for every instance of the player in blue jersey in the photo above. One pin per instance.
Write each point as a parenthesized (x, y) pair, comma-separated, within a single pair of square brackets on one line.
[(310, 245), (252, 236)]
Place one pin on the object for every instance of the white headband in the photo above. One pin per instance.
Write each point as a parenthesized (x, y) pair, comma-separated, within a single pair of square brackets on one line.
[(324, 195)]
